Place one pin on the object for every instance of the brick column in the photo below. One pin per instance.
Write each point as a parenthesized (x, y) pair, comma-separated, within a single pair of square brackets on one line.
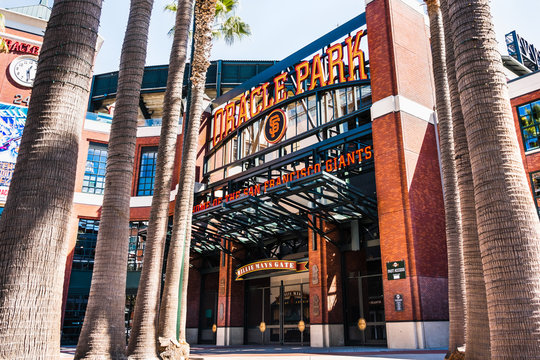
[(409, 194), (325, 297), (194, 302), (230, 313)]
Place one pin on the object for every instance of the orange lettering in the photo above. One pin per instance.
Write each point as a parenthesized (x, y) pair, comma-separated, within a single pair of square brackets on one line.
[(350, 158), (216, 135), (338, 61), (368, 152), (328, 165), (279, 86), (302, 73), (266, 101), (341, 161), (255, 109), (242, 111), (316, 72), (354, 52), (230, 111)]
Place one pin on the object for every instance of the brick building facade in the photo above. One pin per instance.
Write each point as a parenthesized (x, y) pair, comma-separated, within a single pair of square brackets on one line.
[(350, 193)]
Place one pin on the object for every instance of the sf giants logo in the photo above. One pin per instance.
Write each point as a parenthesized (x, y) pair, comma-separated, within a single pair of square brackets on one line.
[(276, 124)]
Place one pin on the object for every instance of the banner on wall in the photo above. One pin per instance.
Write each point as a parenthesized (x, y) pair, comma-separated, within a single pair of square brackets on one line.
[(12, 121), (271, 265)]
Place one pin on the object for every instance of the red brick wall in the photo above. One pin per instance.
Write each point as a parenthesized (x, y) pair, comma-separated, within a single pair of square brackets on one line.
[(194, 295), (409, 195), (325, 295), (230, 291), (8, 87)]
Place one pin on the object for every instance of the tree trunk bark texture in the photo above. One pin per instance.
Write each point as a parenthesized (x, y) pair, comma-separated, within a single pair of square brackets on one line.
[(454, 239), (33, 227), (477, 340), (508, 225), (103, 334), (204, 18), (143, 338)]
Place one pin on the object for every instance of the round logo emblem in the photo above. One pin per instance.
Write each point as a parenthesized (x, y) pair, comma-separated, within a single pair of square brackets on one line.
[(275, 126)]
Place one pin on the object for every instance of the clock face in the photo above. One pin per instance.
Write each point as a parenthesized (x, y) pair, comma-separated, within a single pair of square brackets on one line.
[(23, 70)]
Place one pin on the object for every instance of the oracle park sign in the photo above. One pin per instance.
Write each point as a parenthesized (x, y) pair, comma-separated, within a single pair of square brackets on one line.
[(341, 61)]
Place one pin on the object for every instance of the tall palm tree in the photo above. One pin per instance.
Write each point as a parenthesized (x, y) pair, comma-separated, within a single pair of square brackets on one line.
[(143, 333), (34, 223), (227, 26), (508, 224), (477, 341), (180, 241), (143, 341), (454, 239), (103, 331)]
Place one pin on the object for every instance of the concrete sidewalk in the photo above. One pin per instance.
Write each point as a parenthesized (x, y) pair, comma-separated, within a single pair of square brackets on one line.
[(308, 353), (202, 352)]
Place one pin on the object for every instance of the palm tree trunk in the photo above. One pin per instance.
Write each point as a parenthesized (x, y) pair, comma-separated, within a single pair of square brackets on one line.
[(508, 225), (477, 342), (143, 339), (182, 313), (103, 332), (454, 239), (35, 220), (204, 18)]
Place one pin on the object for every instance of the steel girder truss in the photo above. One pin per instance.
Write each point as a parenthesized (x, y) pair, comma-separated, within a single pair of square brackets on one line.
[(289, 207)]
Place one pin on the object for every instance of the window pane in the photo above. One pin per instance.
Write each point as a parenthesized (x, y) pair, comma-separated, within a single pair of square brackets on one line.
[(529, 115), (147, 171), (536, 111), (94, 175), (83, 257)]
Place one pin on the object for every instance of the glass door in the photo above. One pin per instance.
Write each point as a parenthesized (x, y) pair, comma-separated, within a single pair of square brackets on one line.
[(289, 314), (365, 294), (295, 310), (284, 311), (207, 318)]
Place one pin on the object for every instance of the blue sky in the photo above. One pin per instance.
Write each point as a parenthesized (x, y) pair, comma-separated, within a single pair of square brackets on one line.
[(279, 27)]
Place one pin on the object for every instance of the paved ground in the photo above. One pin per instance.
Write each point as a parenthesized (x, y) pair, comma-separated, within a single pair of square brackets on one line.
[(201, 352)]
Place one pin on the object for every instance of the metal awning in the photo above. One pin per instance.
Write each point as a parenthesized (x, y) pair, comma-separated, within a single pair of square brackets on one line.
[(285, 208)]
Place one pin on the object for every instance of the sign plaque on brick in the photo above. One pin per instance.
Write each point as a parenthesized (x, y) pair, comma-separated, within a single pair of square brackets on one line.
[(395, 270), (398, 302)]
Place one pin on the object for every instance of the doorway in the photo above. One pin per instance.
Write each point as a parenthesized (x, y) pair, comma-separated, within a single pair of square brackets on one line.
[(282, 305), (365, 298), (208, 309)]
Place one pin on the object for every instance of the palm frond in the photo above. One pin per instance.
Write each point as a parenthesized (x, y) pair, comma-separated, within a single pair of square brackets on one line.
[(227, 25), (171, 7), (234, 28), (3, 45), (224, 8)]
